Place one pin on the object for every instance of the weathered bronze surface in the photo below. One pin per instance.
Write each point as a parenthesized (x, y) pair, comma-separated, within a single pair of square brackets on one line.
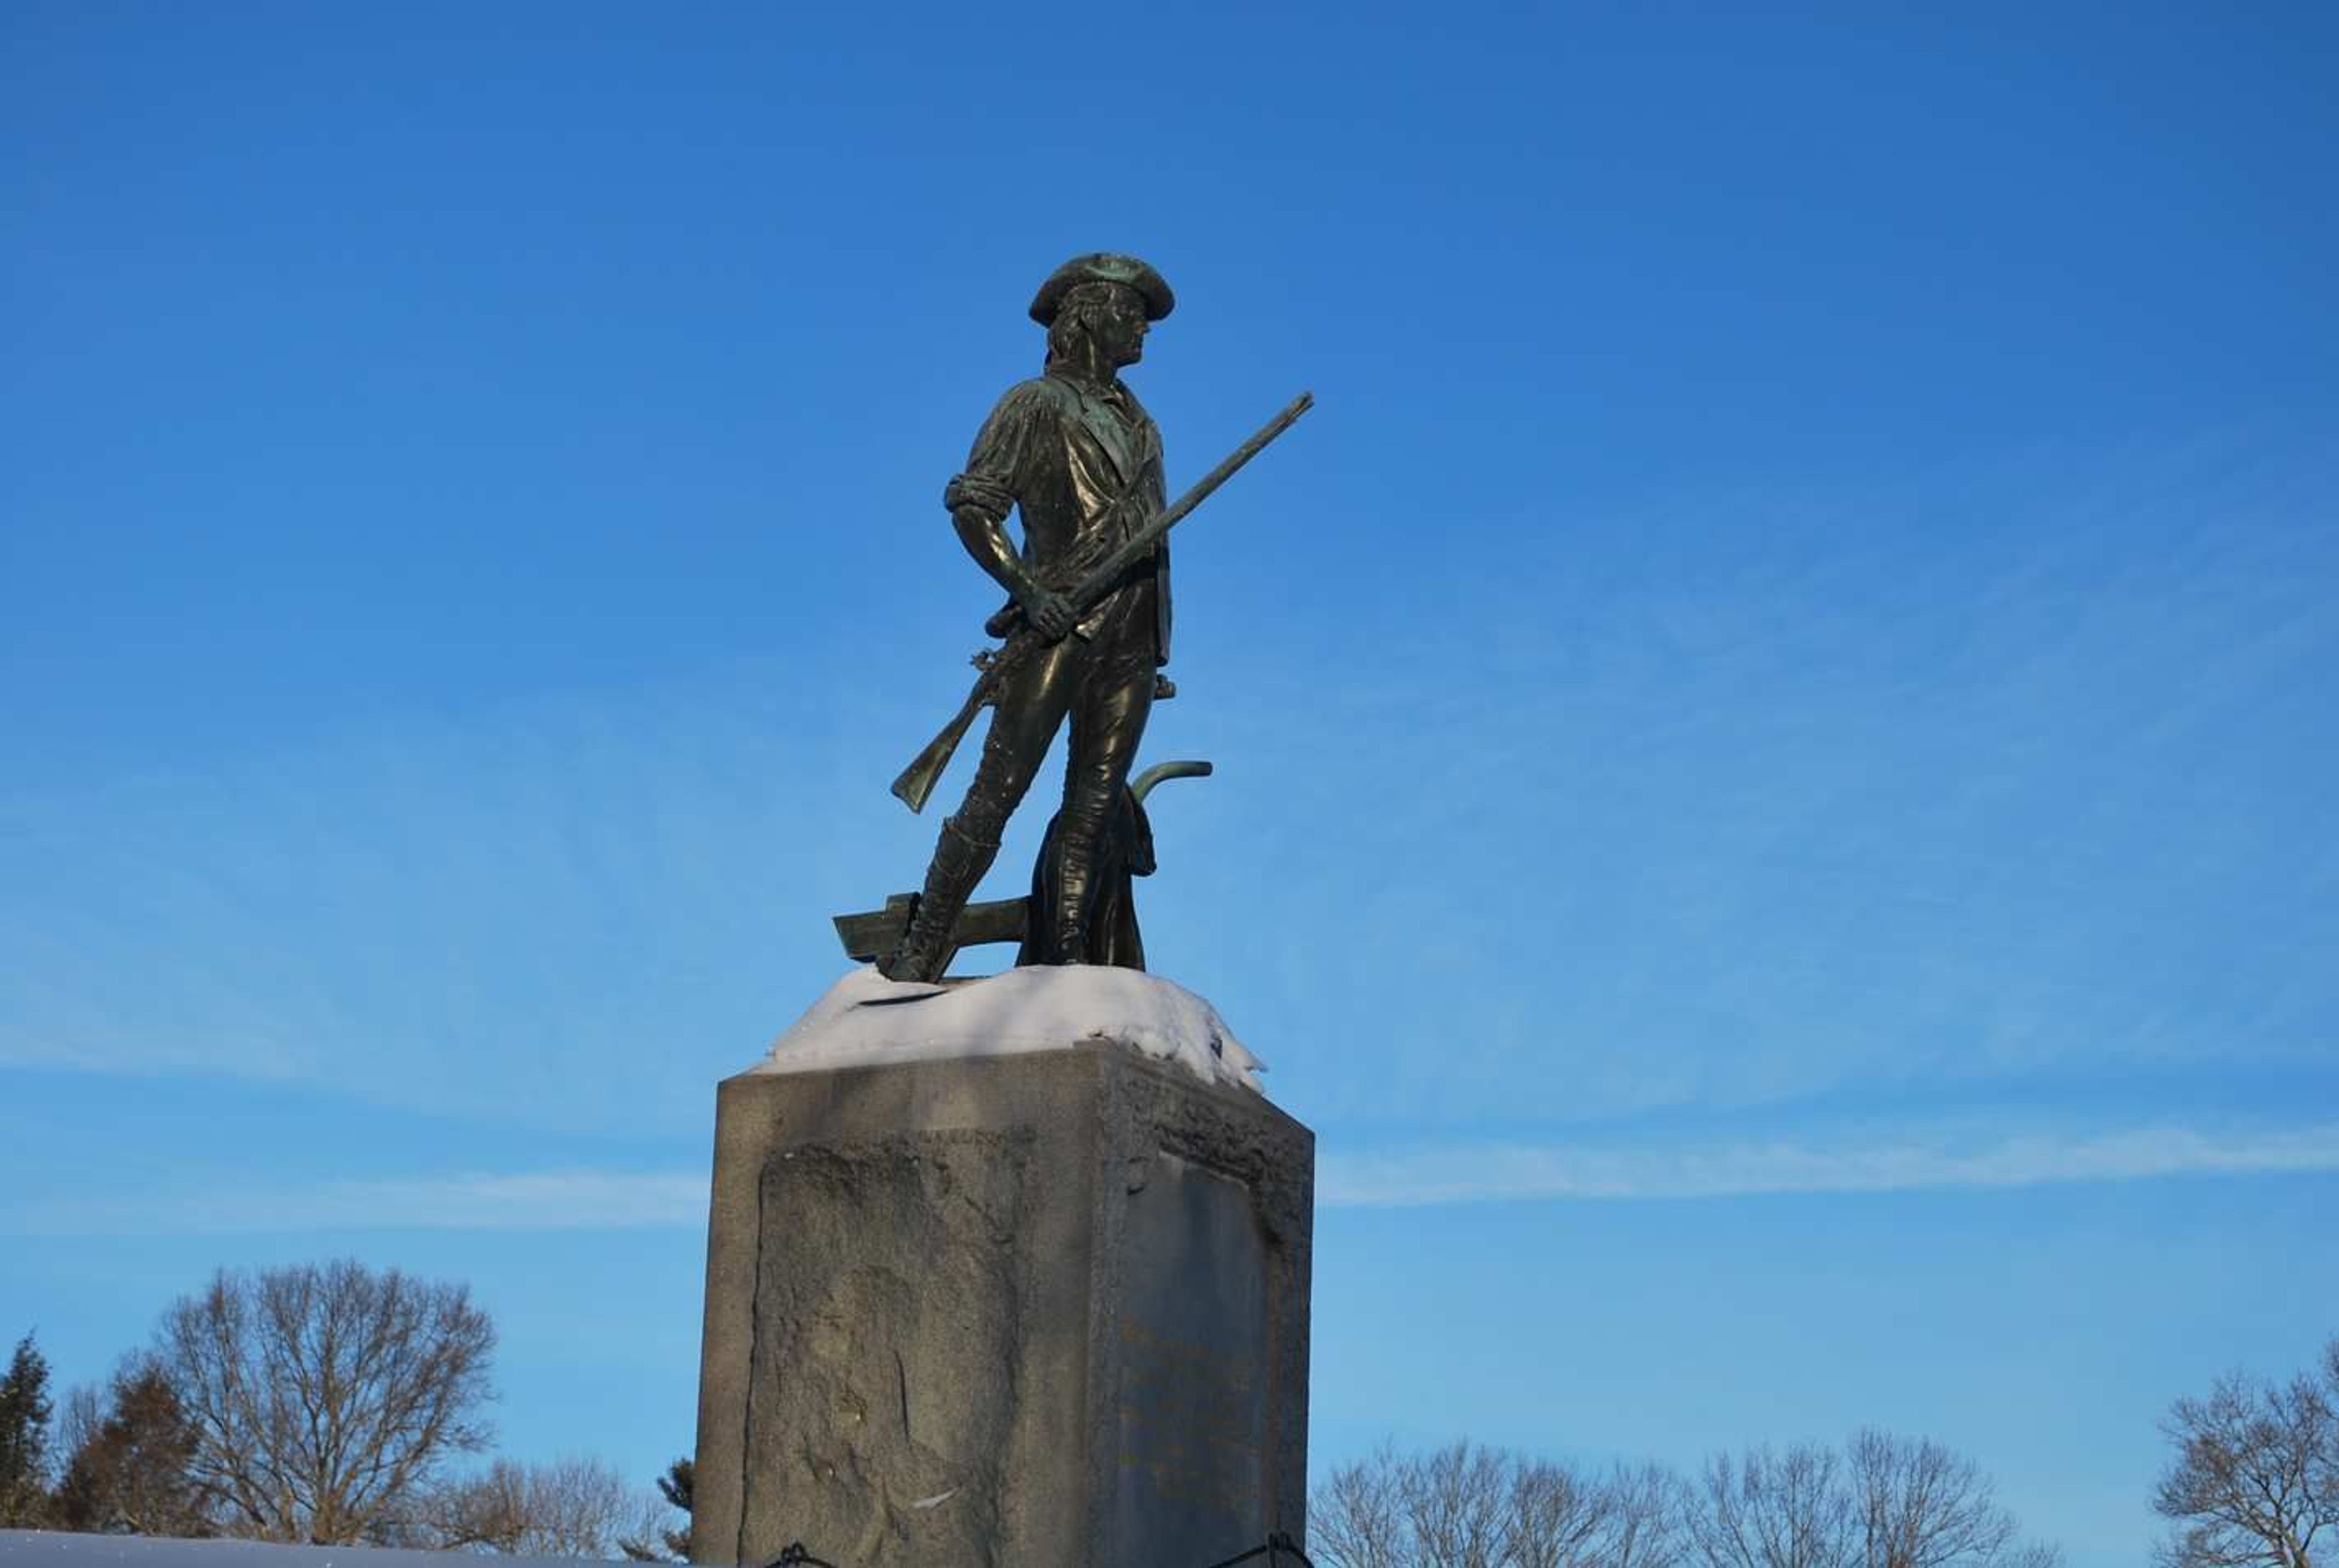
[(1077, 458)]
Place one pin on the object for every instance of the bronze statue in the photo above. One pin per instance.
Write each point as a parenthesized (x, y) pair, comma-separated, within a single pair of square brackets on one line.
[(1074, 454)]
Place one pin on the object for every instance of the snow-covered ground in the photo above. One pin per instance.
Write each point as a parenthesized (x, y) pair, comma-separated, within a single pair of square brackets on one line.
[(65, 1549), (866, 1020)]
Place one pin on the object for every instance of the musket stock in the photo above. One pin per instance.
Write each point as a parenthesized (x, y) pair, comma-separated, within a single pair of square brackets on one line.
[(918, 780)]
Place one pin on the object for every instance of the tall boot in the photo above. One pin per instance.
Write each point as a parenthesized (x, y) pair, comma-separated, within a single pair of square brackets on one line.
[(1077, 855), (927, 944)]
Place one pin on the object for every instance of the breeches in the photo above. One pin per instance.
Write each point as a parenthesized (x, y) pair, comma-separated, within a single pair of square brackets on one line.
[(1105, 688)]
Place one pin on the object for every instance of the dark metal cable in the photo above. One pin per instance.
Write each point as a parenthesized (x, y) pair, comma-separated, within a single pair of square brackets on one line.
[(796, 1556), (1274, 1547)]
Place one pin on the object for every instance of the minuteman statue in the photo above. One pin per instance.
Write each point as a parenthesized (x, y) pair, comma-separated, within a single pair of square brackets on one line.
[(1078, 457)]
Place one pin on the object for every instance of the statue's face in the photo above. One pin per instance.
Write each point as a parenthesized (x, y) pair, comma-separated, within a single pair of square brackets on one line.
[(1120, 327)]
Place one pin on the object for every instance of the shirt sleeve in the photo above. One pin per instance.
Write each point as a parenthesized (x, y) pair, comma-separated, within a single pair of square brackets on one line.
[(999, 469)]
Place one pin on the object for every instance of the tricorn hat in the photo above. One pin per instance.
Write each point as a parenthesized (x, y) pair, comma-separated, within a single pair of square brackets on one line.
[(1102, 267)]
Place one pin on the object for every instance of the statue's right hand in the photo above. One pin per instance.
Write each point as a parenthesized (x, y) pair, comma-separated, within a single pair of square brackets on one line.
[(1047, 612)]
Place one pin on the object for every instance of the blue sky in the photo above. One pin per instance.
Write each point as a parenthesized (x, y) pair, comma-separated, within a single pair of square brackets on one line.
[(1773, 736)]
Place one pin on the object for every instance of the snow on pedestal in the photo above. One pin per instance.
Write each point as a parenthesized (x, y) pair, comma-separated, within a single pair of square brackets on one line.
[(868, 1021)]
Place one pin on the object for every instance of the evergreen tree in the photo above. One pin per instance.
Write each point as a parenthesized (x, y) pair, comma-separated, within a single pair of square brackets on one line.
[(675, 1483), (675, 1486), (130, 1473), (25, 1436)]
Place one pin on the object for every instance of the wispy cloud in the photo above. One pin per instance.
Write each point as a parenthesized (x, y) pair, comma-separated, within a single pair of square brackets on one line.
[(538, 1200), (578, 1199), (1511, 1172)]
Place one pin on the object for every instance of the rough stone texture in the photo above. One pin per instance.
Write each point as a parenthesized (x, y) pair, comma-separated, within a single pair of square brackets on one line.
[(1039, 1311)]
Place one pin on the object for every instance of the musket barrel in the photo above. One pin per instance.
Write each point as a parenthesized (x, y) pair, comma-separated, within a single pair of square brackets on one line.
[(1099, 582)]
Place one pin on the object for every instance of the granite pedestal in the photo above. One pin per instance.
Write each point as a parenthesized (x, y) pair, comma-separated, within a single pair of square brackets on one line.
[(1044, 1310)]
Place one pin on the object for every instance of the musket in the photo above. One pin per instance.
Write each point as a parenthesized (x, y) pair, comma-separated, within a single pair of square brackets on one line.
[(918, 780)]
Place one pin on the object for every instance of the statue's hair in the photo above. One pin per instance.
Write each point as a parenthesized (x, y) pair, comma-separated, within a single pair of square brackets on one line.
[(1076, 317)]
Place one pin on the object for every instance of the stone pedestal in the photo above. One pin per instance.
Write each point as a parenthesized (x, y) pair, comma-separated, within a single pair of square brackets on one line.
[(1046, 1310)]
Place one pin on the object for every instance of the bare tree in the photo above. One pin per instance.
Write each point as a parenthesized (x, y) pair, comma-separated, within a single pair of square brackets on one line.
[(81, 1416), (1469, 1507), (1885, 1502), (128, 1460), (1556, 1517), (1921, 1506), (1355, 1520), (2255, 1479), (1882, 1502), (1457, 1502), (1646, 1522), (569, 1508), (325, 1396), (1774, 1510)]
